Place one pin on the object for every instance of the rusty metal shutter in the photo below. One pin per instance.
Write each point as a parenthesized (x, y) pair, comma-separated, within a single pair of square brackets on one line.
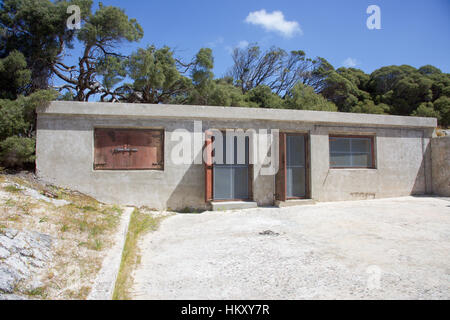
[(208, 162), (280, 177), (147, 149), (128, 149)]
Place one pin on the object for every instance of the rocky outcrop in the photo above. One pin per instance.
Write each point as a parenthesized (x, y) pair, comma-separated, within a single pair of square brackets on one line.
[(24, 256)]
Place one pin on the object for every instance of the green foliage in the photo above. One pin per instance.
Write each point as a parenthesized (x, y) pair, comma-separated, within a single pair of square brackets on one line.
[(442, 105), (263, 97), (12, 118), (37, 28), (204, 63), (109, 25), (303, 97), (275, 68), (401, 87), (341, 91), (17, 116), (155, 75), (113, 71), (368, 106), (14, 75), (399, 90), (426, 110), (101, 33), (429, 70), (17, 124), (16, 151), (226, 94), (219, 92)]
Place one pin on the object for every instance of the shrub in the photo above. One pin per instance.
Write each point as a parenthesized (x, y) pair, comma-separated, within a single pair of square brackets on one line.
[(426, 109), (16, 151)]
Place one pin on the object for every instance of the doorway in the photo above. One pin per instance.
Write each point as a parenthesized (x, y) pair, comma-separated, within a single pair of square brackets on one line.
[(292, 178), (228, 170)]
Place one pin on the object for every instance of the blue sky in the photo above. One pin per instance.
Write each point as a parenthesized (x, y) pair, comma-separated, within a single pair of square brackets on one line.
[(412, 32)]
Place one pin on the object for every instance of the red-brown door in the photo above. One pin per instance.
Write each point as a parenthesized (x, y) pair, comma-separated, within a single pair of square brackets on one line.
[(280, 177)]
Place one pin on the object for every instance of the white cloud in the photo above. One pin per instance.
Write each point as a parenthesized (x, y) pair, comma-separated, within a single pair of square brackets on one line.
[(274, 22), (350, 63), (216, 42), (242, 44)]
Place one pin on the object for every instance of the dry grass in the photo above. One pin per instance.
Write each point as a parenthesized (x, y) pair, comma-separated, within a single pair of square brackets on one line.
[(11, 188), (83, 230), (140, 223)]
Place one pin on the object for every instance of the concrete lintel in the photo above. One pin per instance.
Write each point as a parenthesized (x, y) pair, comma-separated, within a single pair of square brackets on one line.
[(135, 110)]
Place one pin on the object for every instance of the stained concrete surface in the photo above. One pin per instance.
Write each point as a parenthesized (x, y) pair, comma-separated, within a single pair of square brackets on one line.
[(395, 248)]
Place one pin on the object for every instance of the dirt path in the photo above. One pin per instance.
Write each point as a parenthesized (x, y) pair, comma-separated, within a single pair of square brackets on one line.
[(389, 249)]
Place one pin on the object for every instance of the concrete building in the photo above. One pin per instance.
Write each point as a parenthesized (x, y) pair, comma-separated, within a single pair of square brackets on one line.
[(440, 154), (130, 154)]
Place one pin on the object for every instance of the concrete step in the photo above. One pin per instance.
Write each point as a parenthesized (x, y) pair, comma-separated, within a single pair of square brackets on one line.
[(296, 202), (231, 205)]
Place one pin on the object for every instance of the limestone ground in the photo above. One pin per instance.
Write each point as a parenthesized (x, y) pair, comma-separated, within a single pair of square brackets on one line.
[(377, 249), (52, 241)]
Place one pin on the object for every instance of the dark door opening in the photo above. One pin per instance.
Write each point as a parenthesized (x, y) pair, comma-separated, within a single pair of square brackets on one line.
[(291, 181), (295, 166)]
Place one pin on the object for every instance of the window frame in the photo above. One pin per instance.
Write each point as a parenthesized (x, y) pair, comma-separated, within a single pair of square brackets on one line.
[(210, 166), (99, 169), (372, 150)]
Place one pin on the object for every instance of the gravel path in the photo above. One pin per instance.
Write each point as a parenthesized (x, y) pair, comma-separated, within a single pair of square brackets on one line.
[(375, 249)]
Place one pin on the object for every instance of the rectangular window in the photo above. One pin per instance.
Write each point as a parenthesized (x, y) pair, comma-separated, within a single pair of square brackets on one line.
[(232, 170), (351, 152), (128, 149)]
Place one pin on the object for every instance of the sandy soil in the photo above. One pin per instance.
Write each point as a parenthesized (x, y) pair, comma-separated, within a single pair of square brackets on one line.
[(378, 249)]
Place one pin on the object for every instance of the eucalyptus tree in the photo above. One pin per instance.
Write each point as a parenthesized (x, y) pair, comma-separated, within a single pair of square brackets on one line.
[(275, 68), (38, 29)]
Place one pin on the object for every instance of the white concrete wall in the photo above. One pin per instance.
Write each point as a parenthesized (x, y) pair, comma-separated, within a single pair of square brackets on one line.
[(402, 158), (440, 150), (65, 156)]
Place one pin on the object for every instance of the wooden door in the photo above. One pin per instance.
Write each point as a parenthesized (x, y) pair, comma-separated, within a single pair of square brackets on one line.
[(280, 177)]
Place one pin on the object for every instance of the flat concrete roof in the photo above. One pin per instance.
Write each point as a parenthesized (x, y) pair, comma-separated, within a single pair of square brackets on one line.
[(135, 110)]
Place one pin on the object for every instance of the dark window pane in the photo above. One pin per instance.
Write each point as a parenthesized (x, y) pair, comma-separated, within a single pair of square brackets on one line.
[(352, 152), (360, 145), (295, 182), (222, 182), (361, 160), (339, 144), (240, 183), (295, 150), (340, 160)]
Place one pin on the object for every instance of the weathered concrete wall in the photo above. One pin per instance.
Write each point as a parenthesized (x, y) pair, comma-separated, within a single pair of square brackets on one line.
[(403, 165), (65, 154), (440, 150)]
